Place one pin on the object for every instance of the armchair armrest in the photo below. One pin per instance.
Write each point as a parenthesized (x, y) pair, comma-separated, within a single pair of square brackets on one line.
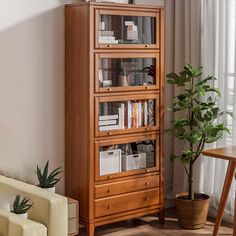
[(49, 209), (12, 225)]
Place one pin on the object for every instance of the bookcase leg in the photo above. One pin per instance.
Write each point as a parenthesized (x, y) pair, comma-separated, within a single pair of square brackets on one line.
[(90, 230), (161, 216)]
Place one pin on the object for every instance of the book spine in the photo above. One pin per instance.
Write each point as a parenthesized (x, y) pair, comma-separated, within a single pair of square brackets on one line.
[(120, 118), (108, 117), (134, 117), (129, 114), (108, 127), (107, 122), (145, 113), (137, 115), (140, 114), (122, 115)]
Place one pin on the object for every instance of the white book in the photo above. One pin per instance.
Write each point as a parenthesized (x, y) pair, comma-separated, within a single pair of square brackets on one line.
[(122, 115), (145, 113), (106, 33), (120, 118), (129, 23), (140, 114), (137, 115), (107, 122), (109, 41), (129, 114), (109, 117), (108, 127), (107, 38)]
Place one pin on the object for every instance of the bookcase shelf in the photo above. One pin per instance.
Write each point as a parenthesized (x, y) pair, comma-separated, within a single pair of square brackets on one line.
[(114, 111)]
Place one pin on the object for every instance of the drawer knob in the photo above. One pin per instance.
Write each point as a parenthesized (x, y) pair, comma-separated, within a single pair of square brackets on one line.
[(146, 87), (148, 128), (108, 207), (147, 198), (109, 89), (109, 45), (147, 170), (109, 177), (147, 183), (147, 46), (108, 191), (109, 133)]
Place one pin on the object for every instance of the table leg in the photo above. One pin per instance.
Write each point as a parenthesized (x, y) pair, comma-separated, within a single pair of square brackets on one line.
[(234, 234), (228, 180)]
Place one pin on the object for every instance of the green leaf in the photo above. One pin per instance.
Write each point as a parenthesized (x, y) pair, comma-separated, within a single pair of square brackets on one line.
[(204, 81), (47, 180)]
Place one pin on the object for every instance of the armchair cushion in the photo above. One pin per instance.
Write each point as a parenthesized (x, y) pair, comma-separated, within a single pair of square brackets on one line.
[(49, 209), (12, 225)]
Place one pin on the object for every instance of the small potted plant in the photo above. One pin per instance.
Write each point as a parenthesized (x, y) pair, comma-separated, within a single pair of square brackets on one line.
[(131, 1), (197, 106), (48, 180), (21, 206)]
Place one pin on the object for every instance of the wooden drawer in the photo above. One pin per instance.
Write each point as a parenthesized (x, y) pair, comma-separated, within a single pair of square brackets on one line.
[(127, 186), (126, 202)]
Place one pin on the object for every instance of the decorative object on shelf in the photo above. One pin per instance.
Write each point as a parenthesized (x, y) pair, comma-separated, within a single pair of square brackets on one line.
[(133, 161), (131, 2), (132, 30), (123, 80), (110, 162), (198, 101), (150, 70), (46, 180), (20, 207), (106, 83)]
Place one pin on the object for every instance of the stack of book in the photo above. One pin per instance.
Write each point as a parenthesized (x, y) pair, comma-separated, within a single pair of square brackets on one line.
[(107, 37), (108, 122), (132, 30)]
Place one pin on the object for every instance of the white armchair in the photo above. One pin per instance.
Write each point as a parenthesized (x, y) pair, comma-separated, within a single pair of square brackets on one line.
[(49, 209), (13, 225)]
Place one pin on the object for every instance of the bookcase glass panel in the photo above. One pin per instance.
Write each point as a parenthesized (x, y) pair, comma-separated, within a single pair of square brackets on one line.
[(126, 157), (122, 72), (117, 29), (126, 114)]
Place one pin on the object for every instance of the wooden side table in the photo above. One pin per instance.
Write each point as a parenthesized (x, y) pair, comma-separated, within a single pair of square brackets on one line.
[(73, 217), (229, 154)]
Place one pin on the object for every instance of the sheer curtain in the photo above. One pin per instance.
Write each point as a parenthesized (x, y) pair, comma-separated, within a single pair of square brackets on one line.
[(218, 57)]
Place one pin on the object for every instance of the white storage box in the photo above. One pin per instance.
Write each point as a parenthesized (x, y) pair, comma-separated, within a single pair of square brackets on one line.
[(110, 162), (133, 162)]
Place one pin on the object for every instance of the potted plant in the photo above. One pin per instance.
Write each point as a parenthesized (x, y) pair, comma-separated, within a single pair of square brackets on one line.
[(196, 103), (48, 180), (20, 207)]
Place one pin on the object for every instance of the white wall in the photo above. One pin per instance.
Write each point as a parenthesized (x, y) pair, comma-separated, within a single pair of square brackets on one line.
[(32, 86)]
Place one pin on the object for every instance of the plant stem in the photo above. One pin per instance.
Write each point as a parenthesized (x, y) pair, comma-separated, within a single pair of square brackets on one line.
[(190, 179)]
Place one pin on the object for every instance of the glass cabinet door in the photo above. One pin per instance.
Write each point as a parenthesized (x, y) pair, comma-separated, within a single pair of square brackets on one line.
[(117, 115), (123, 72), (127, 29), (119, 158)]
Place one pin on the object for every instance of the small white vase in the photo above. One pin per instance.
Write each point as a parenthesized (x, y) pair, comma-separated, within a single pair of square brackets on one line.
[(23, 215), (52, 190)]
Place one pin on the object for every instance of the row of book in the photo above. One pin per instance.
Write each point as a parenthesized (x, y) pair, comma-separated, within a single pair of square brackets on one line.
[(130, 114)]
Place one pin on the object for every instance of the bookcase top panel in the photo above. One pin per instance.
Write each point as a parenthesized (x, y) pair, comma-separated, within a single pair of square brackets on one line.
[(118, 5)]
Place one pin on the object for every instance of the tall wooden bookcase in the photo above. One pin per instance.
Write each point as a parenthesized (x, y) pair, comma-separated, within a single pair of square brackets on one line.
[(114, 111)]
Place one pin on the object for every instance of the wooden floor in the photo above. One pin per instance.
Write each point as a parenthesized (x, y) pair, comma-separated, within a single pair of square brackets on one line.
[(149, 226)]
